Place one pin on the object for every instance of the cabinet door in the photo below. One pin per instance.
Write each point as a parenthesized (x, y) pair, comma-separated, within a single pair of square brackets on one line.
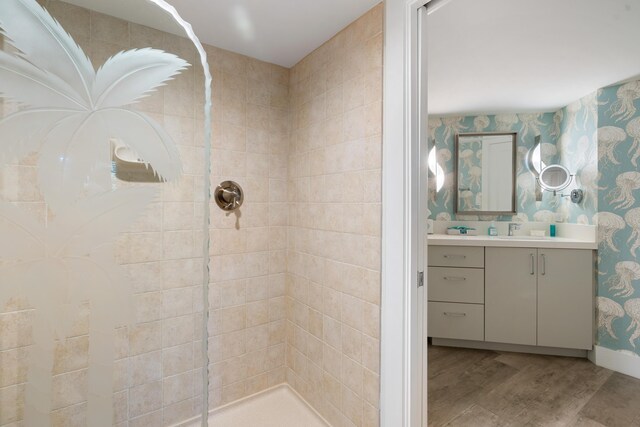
[(565, 298), (510, 295)]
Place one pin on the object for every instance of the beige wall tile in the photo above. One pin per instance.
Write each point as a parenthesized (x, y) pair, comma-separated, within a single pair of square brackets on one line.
[(332, 332), (332, 361), (145, 399), (12, 403), (371, 415), (257, 313), (176, 360), (352, 343), (108, 29), (176, 412), (339, 229), (371, 387), (145, 337), (146, 368), (178, 330), (177, 388), (75, 415), (371, 353), (233, 318), (76, 20), (69, 388), (142, 36), (352, 405), (257, 337), (232, 293), (13, 366)]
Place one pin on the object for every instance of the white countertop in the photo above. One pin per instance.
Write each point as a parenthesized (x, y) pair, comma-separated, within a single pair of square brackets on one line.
[(510, 242)]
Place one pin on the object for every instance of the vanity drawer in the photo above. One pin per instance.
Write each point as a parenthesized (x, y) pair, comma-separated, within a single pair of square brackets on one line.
[(456, 321), (451, 284), (456, 256)]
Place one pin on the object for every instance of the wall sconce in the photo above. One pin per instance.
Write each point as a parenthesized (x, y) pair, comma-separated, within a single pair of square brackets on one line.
[(435, 169), (534, 158), (536, 165)]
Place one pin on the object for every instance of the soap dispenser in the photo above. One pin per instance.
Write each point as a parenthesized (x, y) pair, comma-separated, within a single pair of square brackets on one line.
[(493, 231)]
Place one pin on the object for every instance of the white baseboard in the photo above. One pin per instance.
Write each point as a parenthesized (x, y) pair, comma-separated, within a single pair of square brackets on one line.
[(618, 361)]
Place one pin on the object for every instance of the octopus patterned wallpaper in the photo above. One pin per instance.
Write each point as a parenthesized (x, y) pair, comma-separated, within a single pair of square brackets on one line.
[(618, 300), (568, 137)]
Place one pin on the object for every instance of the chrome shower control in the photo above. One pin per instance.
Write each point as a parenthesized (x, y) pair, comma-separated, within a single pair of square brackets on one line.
[(228, 196)]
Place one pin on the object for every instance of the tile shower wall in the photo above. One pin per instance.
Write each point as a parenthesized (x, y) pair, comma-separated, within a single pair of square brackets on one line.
[(294, 282), (618, 300), (333, 262), (248, 247), (158, 376), (568, 137)]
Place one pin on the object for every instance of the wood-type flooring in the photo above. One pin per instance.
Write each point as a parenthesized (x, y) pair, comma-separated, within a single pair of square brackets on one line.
[(479, 388)]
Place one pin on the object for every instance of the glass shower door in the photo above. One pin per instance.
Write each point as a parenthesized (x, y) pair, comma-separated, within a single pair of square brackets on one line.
[(103, 212)]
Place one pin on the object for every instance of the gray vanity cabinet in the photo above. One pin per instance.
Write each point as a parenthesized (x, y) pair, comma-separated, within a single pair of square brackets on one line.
[(540, 297), (565, 298), (510, 295)]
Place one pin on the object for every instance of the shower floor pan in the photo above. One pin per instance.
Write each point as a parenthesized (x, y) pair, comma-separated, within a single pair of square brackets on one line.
[(277, 407)]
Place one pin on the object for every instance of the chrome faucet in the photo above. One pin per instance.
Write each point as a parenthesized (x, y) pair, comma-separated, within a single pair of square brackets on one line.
[(513, 226)]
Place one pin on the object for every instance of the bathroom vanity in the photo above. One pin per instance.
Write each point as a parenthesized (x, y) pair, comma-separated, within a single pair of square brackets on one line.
[(512, 293)]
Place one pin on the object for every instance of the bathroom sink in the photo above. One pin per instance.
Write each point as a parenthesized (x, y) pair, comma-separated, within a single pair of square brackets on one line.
[(524, 237)]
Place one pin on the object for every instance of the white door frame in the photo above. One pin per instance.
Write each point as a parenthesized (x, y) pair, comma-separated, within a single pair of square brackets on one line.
[(402, 237)]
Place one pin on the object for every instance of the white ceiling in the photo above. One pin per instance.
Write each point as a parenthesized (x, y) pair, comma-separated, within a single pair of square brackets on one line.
[(277, 31), (494, 56), (488, 56)]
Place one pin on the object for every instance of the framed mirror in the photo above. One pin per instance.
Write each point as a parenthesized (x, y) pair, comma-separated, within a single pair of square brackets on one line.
[(485, 173)]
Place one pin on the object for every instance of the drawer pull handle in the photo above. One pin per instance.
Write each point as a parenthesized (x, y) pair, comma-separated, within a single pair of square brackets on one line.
[(453, 314), (544, 264), (455, 256), (455, 279)]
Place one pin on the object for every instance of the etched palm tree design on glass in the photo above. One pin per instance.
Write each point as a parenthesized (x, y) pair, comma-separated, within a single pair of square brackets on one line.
[(67, 114), (70, 110), (59, 267)]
